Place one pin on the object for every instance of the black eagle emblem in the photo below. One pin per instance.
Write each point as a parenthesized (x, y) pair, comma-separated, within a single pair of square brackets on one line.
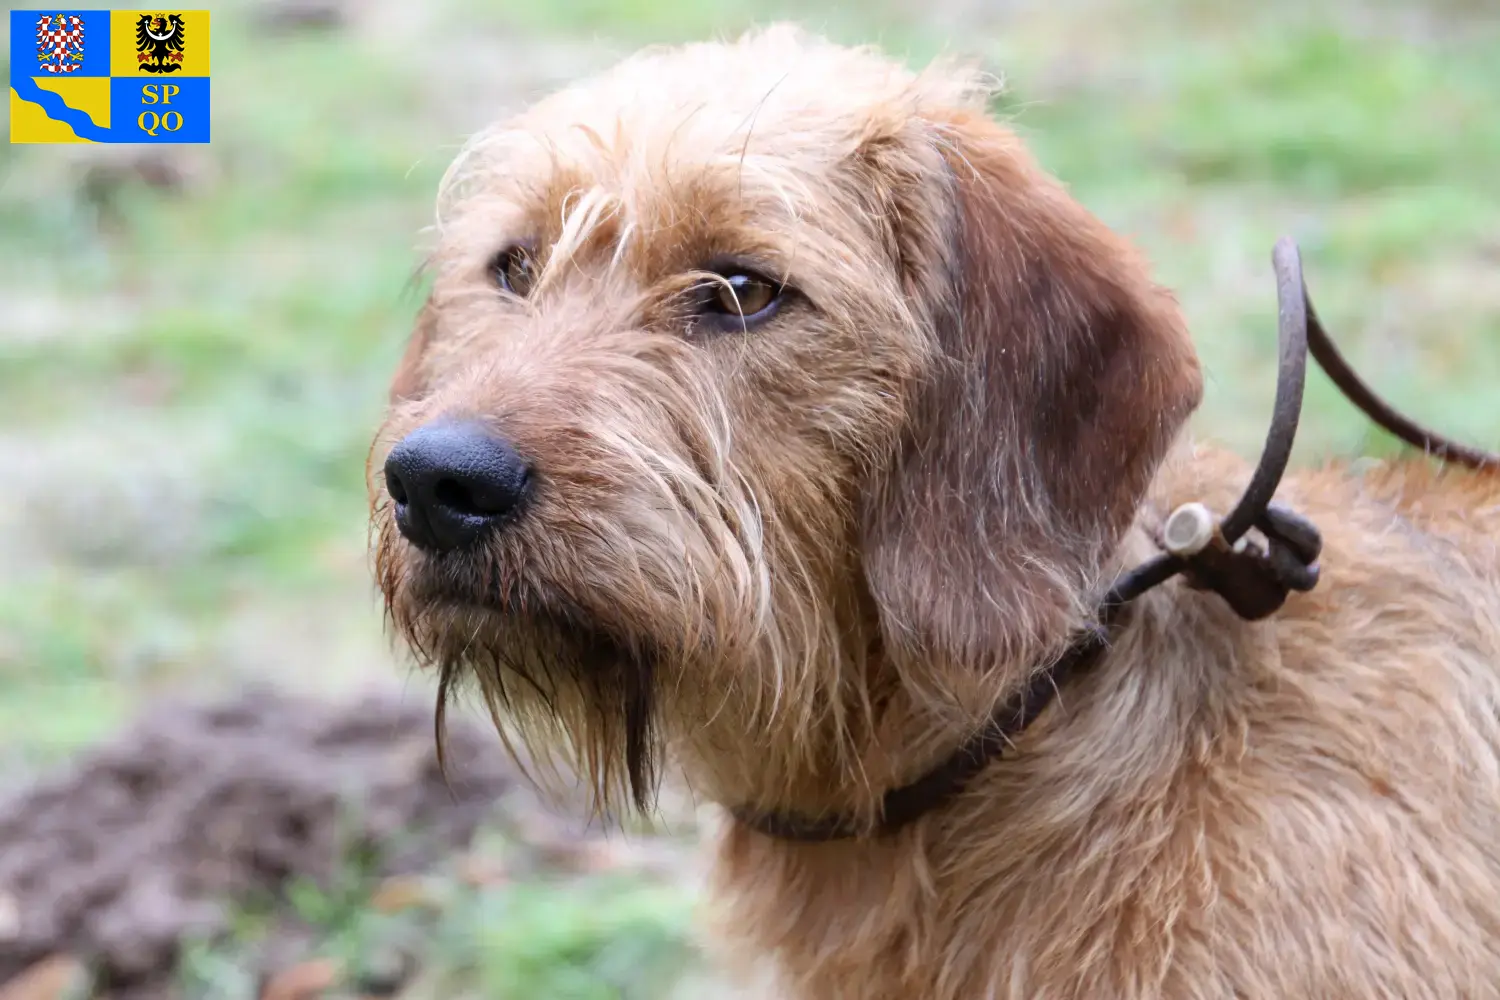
[(158, 40)]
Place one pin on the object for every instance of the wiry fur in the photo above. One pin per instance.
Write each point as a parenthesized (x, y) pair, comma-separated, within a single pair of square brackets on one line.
[(805, 560)]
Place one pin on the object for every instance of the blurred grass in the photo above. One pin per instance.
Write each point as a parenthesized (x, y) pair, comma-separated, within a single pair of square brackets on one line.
[(190, 378), (601, 936)]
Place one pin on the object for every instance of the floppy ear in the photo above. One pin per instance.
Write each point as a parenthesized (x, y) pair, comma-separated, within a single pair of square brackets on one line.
[(409, 380), (1062, 375)]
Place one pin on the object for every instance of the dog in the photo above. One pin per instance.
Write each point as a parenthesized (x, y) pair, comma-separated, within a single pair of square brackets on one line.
[(774, 417)]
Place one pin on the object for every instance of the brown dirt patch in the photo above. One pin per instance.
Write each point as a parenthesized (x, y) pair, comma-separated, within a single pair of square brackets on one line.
[(143, 843)]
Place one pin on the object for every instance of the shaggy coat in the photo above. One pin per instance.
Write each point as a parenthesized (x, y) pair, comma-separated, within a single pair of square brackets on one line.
[(801, 556)]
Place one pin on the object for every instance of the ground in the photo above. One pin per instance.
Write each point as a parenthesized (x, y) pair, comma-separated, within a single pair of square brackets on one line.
[(194, 345)]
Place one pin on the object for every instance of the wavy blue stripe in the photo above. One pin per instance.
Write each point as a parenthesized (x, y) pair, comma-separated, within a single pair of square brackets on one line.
[(57, 109)]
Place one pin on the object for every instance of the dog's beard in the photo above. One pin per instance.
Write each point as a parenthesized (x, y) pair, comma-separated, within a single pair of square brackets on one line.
[(564, 683), (574, 688)]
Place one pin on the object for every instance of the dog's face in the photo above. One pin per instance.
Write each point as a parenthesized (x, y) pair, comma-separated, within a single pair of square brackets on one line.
[(764, 389)]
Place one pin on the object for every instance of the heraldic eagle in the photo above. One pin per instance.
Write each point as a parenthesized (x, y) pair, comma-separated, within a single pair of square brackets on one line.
[(158, 39)]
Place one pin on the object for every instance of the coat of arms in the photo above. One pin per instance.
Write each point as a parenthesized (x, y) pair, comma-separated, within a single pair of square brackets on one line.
[(59, 42), (158, 41)]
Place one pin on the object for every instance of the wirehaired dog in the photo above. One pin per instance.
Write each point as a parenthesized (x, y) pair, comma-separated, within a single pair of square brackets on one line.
[(774, 415)]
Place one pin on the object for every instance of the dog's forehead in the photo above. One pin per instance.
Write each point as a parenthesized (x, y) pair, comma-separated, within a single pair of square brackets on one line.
[(782, 90), (768, 116)]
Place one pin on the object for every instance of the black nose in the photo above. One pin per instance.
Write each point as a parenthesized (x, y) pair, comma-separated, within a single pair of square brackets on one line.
[(452, 483)]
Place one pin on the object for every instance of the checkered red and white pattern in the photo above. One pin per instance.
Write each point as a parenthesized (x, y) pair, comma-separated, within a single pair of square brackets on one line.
[(59, 42)]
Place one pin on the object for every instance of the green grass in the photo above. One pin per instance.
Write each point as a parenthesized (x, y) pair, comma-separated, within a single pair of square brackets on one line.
[(191, 379), (601, 937)]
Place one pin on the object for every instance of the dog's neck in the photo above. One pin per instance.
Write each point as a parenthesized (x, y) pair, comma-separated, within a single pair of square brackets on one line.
[(921, 751), (906, 761), (1250, 583)]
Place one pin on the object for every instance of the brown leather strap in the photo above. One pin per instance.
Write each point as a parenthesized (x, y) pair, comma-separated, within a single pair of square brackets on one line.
[(905, 805), (1254, 579)]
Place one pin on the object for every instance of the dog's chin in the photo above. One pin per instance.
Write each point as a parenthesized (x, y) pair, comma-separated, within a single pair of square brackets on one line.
[(563, 673)]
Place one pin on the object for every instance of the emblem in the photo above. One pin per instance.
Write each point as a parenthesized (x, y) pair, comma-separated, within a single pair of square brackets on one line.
[(59, 42), (158, 42)]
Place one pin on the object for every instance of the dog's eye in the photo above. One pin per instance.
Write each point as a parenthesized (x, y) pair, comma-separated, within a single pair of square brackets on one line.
[(514, 270), (744, 295), (738, 300)]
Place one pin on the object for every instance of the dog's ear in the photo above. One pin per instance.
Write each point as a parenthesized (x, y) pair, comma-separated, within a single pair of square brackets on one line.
[(1062, 375), (409, 380)]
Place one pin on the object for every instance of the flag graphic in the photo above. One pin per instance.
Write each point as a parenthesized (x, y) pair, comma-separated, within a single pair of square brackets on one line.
[(109, 76)]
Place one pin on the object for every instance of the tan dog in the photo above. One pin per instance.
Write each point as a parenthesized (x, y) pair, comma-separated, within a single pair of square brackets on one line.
[(773, 414)]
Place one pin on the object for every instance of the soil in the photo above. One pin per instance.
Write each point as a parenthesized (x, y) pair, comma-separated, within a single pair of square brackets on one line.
[(148, 840)]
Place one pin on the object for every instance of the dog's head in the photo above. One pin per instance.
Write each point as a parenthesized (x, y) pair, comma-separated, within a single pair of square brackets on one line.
[(766, 392)]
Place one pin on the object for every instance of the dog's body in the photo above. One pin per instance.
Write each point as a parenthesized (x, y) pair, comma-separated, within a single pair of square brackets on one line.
[(1303, 808), (800, 419)]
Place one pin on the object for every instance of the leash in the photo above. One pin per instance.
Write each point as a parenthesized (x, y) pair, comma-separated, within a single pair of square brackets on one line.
[(1254, 576)]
